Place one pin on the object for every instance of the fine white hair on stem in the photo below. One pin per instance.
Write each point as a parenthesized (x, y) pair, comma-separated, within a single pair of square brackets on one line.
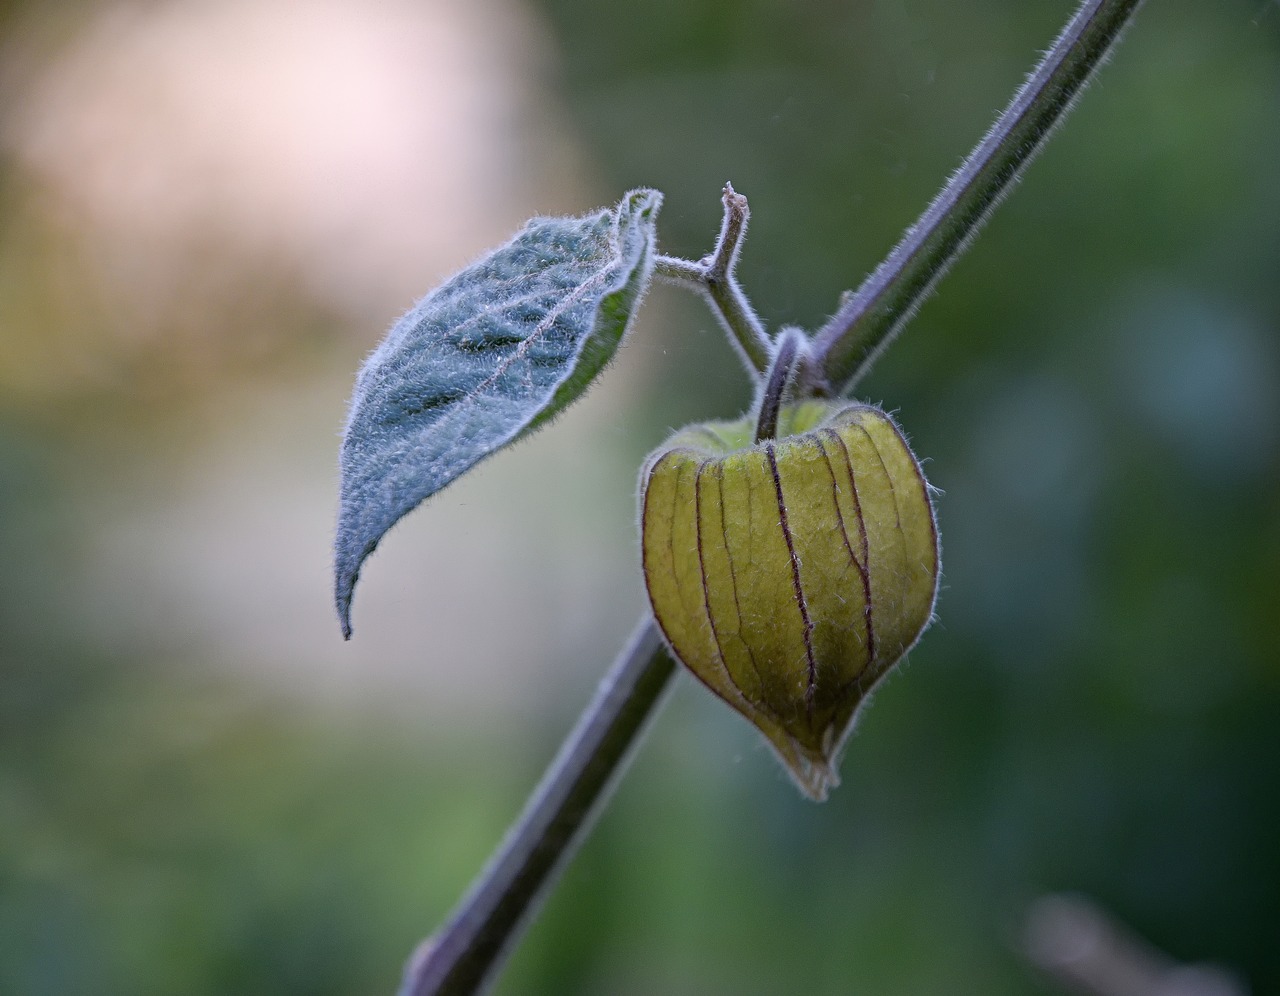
[(867, 320)]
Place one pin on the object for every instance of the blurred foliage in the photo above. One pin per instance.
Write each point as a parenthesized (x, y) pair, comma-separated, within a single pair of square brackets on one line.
[(1097, 386)]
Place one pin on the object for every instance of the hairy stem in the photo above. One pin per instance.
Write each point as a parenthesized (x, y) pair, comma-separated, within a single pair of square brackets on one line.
[(790, 344), (867, 320), (713, 277), (462, 956)]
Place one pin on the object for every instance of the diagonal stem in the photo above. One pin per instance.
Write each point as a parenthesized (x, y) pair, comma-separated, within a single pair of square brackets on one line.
[(462, 956), (868, 320)]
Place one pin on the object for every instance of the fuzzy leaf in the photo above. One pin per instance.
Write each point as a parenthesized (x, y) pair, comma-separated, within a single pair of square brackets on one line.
[(495, 352)]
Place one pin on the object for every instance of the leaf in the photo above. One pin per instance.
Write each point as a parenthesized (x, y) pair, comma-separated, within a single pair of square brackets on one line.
[(494, 353)]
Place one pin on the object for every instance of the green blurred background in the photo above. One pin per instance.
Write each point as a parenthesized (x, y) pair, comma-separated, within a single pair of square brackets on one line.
[(208, 214)]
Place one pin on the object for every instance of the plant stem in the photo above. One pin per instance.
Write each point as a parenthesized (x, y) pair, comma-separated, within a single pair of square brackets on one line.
[(774, 387), (713, 277), (868, 320), (462, 956)]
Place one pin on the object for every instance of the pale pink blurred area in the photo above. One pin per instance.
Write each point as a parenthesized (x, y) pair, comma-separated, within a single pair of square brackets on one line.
[(189, 155), (217, 208)]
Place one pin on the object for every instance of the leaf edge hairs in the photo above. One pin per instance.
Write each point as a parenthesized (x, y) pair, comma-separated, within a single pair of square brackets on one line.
[(791, 575)]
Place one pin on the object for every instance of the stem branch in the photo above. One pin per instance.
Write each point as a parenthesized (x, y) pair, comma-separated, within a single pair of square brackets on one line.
[(866, 322), (713, 277)]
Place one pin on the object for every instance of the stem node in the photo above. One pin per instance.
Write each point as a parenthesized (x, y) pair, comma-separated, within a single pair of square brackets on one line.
[(713, 276)]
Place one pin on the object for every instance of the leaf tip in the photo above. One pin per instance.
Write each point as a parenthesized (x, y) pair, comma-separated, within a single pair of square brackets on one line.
[(344, 586)]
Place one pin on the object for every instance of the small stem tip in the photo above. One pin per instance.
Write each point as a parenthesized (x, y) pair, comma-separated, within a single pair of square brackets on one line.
[(713, 276), (724, 258)]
